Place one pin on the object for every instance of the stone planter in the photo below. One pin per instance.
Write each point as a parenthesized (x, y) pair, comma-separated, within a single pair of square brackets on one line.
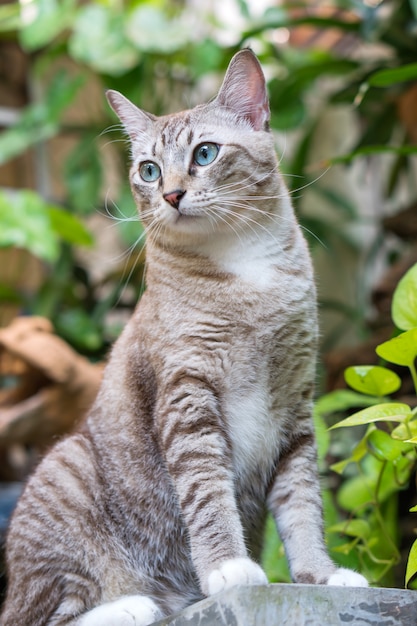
[(301, 605)]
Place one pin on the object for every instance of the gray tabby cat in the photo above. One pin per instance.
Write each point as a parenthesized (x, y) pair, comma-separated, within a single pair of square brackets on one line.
[(204, 415)]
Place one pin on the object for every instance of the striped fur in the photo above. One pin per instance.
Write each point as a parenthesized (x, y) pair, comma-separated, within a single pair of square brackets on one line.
[(204, 415)]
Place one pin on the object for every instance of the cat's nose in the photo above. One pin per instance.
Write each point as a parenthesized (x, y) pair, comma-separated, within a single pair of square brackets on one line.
[(174, 197)]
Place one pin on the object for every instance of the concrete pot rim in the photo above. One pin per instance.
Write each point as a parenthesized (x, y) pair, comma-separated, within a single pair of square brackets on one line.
[(301, 605)]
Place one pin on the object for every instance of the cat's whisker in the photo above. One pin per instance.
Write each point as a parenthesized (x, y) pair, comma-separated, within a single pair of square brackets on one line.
[(112, 129), (275, 217), (251, 223), (228, 223), (246, 220)]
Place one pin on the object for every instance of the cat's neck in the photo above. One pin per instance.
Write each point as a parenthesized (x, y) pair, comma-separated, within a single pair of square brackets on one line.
[(253, 254)]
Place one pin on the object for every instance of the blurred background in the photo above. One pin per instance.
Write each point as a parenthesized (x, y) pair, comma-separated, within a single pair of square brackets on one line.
[(342, 78)]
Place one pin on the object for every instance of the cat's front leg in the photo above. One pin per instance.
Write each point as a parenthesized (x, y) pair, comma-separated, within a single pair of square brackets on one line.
[(198, 457), (295, 502)]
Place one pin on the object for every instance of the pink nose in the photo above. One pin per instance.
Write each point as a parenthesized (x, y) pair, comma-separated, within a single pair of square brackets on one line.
[(174, 197)]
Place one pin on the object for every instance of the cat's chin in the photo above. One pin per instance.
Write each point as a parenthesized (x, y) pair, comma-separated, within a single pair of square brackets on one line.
[(189, 226)]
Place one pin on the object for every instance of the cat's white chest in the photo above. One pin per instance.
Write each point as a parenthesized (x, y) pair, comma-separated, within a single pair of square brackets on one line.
[(252, 428), (257, 271), (251, 260)]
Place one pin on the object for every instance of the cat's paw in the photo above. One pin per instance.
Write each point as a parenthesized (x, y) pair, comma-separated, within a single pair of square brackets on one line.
[(347, 578), (127, 611), (235, 572)]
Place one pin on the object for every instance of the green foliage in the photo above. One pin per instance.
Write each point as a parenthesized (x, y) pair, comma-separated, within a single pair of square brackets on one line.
[(28, 222), (385, 457), (40, 121)]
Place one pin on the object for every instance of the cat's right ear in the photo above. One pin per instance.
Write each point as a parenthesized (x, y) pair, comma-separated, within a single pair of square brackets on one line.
[(135, 121)]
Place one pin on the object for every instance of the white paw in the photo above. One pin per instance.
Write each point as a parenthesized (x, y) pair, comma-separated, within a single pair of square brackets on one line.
[(235, 572), (347, 578), (127, 611)]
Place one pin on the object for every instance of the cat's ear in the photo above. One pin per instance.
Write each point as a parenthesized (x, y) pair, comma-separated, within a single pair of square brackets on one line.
[(244, 90), (135, 121)]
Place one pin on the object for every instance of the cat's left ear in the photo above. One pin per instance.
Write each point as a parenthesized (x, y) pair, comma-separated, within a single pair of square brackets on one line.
[(244, 90), (135, 121)]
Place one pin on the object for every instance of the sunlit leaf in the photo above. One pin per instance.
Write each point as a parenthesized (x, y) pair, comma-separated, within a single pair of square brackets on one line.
[(372, 380), (98, 40), (401, 350), (346, 548), (388, 412), (404, 302), (353, 528), (411, 570), (24, 223), (384, 447), (50, 18), (68, 227), (27, 221), (405, 432), (150, 30)]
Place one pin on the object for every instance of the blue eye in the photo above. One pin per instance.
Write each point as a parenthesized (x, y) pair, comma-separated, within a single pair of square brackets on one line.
[(149, 171), (206, 153)]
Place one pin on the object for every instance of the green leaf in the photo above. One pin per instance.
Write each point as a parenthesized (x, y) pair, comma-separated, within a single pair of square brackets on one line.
[(25, 223), (387, 412), (353, 528), (286, 102), (372, 380), (83, 175), (99, 40), (150, 30), (50, 18), (405, 432), (28, 222), (406, 150), (404, 302), (79, 329), (378, 480), (386, 78), (401, 350), (384, 447), (359, 451), (69, 228), (342, 400), (40, 121), (411, 570)]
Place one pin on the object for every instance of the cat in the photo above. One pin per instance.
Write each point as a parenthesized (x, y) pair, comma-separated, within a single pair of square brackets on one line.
[(203, 419)]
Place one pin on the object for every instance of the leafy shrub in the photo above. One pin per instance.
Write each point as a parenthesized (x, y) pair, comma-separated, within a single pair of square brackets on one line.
[(383, 461)]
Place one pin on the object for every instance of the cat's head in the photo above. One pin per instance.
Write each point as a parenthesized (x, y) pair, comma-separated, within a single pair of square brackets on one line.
[(204, 170)]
